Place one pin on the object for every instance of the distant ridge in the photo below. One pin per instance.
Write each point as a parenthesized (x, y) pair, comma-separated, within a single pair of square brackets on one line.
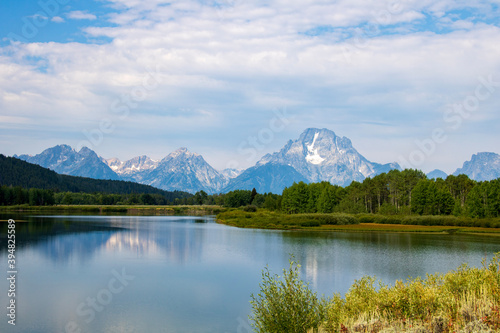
[(482, 166), (317, 155), (15, 172), (435, 174), (65, 160)]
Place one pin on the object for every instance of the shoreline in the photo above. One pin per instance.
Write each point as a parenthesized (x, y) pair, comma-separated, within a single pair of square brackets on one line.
[(353, 223), (263, 220), (131, 210)]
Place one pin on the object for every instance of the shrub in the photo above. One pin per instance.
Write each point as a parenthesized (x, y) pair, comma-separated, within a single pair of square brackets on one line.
[(454, 301), (286, 304), (250, 208)]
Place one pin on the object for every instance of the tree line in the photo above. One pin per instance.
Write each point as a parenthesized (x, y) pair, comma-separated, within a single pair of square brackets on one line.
[(398, 192), (407, 192), (17, 195)]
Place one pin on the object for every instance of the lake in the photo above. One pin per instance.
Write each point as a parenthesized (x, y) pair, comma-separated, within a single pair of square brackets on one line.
[(189, 274)]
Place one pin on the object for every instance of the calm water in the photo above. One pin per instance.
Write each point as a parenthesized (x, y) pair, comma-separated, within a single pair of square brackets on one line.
[(189, 274)]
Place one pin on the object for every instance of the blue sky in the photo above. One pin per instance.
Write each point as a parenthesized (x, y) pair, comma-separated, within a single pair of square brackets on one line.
[(416, 82)]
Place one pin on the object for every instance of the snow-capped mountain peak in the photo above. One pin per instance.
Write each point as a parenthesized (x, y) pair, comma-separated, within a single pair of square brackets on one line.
[(317, 155), (321, 155), (134, 165), (182, 152), (185, 171), (313, 155)]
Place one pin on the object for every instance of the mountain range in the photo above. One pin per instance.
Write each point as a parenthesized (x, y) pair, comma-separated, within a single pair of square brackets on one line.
[(317, 155)]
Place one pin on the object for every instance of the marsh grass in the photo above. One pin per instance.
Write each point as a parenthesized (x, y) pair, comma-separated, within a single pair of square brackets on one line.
[(265, 219), (125, 209), (465, 300), (430, 220)]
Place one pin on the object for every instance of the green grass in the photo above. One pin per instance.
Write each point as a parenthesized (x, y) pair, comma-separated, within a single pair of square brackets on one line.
[(465, 300), (430, 220), (263, 219), (125, 209)]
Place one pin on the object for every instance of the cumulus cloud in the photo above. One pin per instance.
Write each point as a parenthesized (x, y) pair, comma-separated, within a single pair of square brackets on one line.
[(57, 19), (334, 64), (81, 15)]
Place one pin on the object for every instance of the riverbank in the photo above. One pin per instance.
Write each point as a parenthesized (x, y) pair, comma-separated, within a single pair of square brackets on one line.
[(263, 219), (115, 209), (465, 300)]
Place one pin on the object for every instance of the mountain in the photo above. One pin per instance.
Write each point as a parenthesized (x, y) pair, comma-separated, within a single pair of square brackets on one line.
[(132, 166), (482, 166), (15, 172), (180, 170), (435, 174), (265, 178), (231, 173), (185, 171), (65, 160), (317, 155), (320, 155)]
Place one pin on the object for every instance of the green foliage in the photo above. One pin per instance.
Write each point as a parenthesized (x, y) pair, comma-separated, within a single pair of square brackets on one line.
[(265, 219), (286, 304), (200, 198), (272, 202), (457, 298), (397, 193), (295, 199), (238, 198), (463, 300), (250, 208), (428, 199)]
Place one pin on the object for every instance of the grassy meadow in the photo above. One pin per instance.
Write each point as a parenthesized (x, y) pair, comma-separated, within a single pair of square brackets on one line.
[(264, 219), (113, 209)]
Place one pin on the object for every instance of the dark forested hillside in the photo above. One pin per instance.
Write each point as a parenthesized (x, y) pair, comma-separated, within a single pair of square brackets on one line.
[(15, 172)]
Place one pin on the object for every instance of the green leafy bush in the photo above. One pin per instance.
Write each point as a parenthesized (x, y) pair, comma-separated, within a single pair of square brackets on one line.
[(250, 208), (286, 304)]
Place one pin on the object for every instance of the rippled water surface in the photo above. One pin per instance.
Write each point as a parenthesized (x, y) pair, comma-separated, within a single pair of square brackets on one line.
[(189, 274)]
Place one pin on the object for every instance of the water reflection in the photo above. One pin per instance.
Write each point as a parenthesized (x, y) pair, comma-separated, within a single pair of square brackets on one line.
[(338, 258), (170, 241), (193, 275), (79, 238)]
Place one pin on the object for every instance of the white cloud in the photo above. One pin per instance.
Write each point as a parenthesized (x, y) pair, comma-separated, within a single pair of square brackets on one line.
[(237, 62), (81, 15), (57, 19)]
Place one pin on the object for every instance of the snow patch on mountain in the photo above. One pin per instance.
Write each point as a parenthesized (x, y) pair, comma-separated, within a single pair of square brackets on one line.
[(313, 156), (321, 155)]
